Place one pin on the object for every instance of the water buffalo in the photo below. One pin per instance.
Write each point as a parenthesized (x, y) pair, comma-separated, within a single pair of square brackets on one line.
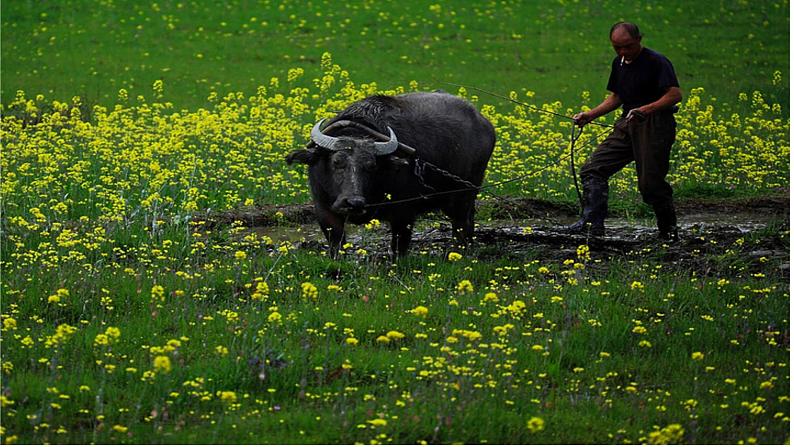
[(375, 151)]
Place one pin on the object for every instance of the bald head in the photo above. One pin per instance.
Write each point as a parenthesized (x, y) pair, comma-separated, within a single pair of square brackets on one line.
[(627, 27), (626, 40)]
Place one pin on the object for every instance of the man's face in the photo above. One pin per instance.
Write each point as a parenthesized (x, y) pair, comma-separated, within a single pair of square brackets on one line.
[(625, 46)]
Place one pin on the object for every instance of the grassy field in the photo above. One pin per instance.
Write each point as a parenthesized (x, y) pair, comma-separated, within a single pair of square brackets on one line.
[(133, 313), (555, 49)]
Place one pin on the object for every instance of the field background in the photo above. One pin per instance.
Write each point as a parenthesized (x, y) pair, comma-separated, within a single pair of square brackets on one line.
[(556, 49), (142, 304)]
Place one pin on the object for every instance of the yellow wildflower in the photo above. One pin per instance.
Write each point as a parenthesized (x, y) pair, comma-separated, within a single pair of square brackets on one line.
[(535, 424), (465, 286), (309, 291), (419, 311), (162, 364)]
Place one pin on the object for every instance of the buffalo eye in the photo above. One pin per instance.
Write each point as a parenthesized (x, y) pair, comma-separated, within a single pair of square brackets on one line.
[(370, 165), (339, 161)]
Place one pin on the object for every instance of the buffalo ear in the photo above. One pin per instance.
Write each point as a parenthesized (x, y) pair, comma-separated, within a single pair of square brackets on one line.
[(305, 156)]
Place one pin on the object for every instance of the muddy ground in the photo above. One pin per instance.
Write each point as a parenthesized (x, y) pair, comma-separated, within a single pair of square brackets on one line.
[(709, 233)]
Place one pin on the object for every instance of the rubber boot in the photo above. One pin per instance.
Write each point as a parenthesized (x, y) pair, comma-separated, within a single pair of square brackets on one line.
[(595, 195), (666, 221)]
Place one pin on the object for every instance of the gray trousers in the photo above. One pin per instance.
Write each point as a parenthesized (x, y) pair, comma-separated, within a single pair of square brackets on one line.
[(647, 143)]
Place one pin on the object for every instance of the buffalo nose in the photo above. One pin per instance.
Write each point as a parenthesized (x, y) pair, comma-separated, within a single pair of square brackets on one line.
[(356, 202)]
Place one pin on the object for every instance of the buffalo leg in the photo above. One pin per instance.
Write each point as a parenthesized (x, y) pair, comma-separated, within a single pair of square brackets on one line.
[(461, 213), (400, 238), (333, 228)]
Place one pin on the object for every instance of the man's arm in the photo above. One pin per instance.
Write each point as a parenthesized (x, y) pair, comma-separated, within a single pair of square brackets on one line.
[(670, 98), (609, 104)]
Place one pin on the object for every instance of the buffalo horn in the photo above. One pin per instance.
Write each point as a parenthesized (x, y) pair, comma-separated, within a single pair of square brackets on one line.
[(389, 146), (321, 139)]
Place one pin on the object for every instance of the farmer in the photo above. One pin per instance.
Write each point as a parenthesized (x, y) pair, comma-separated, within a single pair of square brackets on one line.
[(644, 83)]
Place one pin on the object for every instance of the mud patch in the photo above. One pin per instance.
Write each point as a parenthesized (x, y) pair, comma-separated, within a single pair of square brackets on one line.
[(532, 229), (258, 216), (506, 208)]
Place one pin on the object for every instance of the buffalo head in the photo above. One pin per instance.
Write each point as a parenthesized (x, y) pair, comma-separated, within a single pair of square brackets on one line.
[(345, 168)]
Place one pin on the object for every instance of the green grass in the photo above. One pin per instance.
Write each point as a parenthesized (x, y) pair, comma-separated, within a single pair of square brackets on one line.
[(287, 374), (685, 344), (555, 49)]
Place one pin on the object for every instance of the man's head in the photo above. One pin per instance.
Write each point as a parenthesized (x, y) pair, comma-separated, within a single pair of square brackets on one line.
[(626, 40)]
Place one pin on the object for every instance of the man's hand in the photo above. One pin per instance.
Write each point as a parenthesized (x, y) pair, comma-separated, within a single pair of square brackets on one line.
[(582, 118), (637, 115)]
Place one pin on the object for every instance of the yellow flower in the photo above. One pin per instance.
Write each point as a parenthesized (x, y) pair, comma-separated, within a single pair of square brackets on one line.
[(636, 285), (113, 332), (274, 317), (9, 324), (697, 356), (465, 286), (583, 252), (262, 291), (535, 424), (491, 297), (469, 335), (120, 428), (503, 330), (228, 397), (517, 307), (382, 339), (62, 333), (162, 364), (309, 290), (377, 422), (453, 256), (158, 292), (395, 335), (671, 434), (419, 311), (101, 340), (239, 255), (352, 341)]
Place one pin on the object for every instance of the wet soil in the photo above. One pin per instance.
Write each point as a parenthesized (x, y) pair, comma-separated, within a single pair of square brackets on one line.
[(532, 229)]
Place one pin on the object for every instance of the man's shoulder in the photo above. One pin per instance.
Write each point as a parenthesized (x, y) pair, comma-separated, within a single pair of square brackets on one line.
[(656, 56)]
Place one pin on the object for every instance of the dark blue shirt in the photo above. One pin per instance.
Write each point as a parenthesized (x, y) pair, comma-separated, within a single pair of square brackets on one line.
[(643, 81)]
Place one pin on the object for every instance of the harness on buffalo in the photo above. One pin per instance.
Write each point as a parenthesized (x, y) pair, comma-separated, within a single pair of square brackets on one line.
[(420, 166)]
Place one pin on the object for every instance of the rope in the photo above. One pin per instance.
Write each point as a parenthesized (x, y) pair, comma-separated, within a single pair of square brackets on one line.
[(468, 87), (574, 137), (489, 186)]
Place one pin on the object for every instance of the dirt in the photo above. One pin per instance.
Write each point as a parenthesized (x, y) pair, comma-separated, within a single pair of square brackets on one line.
[(709, 230)]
